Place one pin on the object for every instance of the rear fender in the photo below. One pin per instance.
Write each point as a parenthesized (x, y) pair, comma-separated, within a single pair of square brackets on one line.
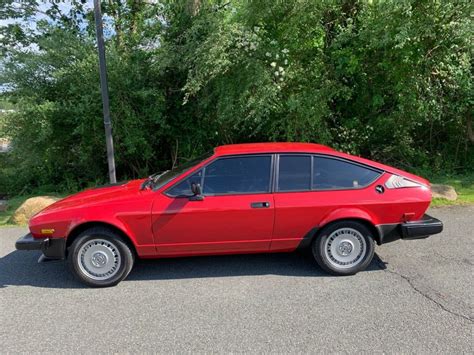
[(348, 213), (338, 215)]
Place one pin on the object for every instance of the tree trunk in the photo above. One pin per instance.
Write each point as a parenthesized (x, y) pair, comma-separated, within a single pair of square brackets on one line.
[(470, 132)]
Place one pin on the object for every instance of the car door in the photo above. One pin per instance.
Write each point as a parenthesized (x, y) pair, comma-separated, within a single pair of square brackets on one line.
[(235, 215), (294, 214)]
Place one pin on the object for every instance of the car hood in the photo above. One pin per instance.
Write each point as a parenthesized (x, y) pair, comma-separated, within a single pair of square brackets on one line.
[(97, 195)]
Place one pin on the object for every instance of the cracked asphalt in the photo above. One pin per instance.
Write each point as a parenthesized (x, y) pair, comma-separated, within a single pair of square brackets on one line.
[(416, 296)]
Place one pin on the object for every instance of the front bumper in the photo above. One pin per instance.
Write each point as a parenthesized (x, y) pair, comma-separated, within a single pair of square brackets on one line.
[(421, 229), (53, 248)]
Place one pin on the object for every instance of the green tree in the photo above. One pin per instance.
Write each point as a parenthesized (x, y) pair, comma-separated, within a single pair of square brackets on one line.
[(390, 80)]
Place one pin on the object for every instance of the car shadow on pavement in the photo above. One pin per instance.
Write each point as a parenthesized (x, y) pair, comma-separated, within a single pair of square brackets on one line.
[(22, 269)]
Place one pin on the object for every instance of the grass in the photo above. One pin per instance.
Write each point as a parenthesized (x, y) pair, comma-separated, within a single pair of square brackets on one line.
[(13, 204)]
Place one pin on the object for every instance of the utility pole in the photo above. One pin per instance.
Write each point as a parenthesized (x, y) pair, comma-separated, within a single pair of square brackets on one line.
[(105, 91)]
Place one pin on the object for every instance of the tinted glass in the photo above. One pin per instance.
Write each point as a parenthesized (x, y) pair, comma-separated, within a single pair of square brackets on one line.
[(238, 175), (337, 174), (294, 173), (184, 187)]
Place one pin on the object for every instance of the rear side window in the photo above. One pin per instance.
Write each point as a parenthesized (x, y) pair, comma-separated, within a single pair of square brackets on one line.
[(294, 173), (249, 174), (338, 174)]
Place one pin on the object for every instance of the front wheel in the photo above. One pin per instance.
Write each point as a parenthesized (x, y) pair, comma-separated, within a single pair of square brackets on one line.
[(344, 248), (100, 258)]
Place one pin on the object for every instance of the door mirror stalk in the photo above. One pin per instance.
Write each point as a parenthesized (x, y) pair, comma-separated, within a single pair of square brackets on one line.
[(197, 193)]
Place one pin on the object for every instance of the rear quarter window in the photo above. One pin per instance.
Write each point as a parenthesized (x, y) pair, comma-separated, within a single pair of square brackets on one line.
[(330, 173)]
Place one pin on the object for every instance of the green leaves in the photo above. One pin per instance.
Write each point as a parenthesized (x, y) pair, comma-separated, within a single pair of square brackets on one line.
[(389, 80)]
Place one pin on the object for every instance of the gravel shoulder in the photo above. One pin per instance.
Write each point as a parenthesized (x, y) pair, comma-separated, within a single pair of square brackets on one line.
[(416, 296)]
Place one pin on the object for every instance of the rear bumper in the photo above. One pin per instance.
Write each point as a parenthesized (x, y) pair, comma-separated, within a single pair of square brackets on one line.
[(421, 229), (51, 248)]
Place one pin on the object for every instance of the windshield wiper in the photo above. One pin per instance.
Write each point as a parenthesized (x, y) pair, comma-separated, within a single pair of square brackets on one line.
[(152, 179)]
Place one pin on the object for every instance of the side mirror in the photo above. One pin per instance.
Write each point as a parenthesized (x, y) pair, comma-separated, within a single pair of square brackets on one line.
[(197, 193)]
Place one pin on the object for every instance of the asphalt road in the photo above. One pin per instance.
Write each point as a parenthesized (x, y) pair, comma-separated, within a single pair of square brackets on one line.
[(417, 296)]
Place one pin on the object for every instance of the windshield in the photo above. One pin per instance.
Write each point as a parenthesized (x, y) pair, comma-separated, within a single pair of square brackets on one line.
[(171, 174)]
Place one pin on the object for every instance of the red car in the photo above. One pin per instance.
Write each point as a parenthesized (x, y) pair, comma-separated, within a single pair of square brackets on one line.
[(243, 198)]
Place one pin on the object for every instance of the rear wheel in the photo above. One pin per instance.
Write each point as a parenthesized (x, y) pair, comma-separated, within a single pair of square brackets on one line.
[(99, 258), (344, 248)]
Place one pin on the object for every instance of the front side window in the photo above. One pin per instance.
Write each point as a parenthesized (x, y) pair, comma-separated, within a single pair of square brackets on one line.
[(294, 173), (331, 173), (236, 175), (250, 174)]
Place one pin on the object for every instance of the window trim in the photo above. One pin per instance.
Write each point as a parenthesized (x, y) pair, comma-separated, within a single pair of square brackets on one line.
[(203, 169)]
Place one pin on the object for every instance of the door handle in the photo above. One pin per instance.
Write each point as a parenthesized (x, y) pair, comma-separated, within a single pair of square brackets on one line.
[(260, 204)]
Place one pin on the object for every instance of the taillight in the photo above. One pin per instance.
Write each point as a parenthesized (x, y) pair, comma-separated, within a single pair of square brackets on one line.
[(398, 182)]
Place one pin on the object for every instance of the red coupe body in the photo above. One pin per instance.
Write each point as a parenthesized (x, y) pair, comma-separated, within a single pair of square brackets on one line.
[(243, 198), (160, 224)]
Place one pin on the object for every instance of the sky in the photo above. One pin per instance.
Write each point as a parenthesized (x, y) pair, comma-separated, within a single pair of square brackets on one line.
[(44, 5)]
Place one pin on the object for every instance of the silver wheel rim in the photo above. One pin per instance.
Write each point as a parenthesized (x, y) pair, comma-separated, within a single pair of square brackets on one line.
[(345, 248), (99, 259)]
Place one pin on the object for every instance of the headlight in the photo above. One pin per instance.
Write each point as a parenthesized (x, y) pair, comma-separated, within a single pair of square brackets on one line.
[(398, 182)]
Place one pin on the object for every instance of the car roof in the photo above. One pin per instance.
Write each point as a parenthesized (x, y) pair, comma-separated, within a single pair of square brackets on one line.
[(284, 147)]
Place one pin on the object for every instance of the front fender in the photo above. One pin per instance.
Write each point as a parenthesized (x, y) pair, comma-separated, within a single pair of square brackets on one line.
[(115, 223)]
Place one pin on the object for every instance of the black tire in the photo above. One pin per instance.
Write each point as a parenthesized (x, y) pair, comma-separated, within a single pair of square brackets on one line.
[(113, 244), (323, 253)]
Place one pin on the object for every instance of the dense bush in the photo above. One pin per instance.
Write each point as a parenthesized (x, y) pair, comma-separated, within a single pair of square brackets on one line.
[(387, 80)]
